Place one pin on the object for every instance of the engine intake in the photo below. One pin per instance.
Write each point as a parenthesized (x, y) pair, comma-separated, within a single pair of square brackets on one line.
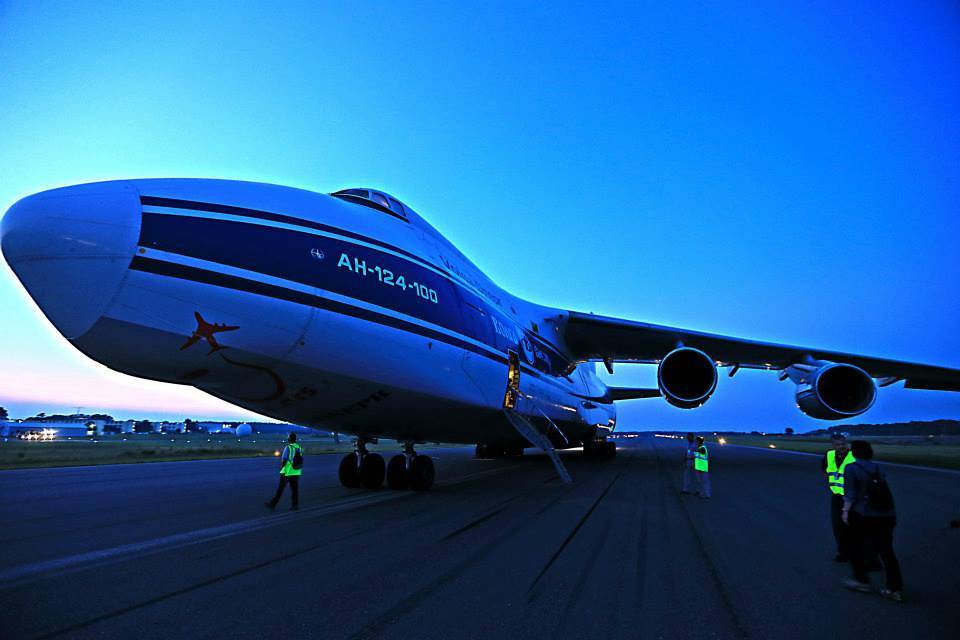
[(687, 377), (836, 391)]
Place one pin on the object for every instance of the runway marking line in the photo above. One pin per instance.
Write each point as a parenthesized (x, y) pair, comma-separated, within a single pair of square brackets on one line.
[(12, 576)]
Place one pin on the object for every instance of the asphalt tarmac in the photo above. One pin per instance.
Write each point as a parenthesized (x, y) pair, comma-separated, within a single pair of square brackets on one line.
[(496, 549)]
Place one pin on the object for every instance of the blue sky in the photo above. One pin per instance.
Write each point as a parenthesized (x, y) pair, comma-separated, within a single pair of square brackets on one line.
[(786, 173)]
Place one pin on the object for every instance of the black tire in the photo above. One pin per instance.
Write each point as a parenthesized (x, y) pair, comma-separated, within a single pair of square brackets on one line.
[(610, 449), (482, 451), (348, 471), (421, 473), (397, 477), (372, 471)]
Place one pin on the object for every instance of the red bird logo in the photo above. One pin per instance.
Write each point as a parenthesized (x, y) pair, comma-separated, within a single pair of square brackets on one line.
[(205, 331)]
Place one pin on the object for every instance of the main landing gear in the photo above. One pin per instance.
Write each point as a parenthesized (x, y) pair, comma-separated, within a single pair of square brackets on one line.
[(600, 449), (407, 470)]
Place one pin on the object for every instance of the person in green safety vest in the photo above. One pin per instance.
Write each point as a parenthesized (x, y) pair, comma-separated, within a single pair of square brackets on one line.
[(834, 462), (701, 468), (291, 463)]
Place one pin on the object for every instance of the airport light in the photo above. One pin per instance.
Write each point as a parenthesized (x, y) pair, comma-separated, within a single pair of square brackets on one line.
[(722, 441), (772, 446), (276, 454)]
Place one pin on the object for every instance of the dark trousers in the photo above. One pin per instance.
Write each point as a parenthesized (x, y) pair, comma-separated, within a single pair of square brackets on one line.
[(869, 537), (294, 482), (841, 532)]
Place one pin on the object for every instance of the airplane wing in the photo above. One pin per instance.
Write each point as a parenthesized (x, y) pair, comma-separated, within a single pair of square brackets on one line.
[(591, 337)]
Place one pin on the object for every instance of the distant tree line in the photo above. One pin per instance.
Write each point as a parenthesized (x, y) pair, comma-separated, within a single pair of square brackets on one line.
[(914, 428), (60, 417)]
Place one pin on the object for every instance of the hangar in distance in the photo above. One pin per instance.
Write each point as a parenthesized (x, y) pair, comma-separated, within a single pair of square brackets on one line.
[(348, 311)]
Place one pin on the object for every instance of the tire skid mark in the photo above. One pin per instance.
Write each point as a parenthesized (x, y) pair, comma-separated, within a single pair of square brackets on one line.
[(641, 566), (350, 536), (712, 569), (413, 601), (193, 587), (571, 536), (495, 510), (573, 599)]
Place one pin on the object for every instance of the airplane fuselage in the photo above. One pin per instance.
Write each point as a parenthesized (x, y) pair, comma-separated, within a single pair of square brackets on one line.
[(300, 306)]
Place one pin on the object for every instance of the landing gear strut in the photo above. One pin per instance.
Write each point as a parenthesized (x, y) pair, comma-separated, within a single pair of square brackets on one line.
[(362, 468)]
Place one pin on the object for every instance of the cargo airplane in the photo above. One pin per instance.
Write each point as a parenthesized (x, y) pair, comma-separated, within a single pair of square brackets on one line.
[(348, 311)]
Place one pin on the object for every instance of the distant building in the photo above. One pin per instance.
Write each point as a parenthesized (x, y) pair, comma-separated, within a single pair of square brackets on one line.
[(216, 427), (169, 427), (17, 428)]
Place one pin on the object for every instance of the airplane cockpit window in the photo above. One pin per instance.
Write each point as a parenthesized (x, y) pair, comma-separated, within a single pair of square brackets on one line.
[(379, 198), (375, 200)]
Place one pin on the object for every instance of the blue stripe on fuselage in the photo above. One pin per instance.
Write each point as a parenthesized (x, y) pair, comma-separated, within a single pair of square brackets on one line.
[(553, 360), (206, 276), (346, 268)]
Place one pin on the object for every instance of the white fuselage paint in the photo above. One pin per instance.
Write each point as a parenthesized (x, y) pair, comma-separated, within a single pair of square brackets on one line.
[(346, 318)]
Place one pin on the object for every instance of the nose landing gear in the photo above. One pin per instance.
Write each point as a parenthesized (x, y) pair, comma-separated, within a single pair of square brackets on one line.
[(407, 470)]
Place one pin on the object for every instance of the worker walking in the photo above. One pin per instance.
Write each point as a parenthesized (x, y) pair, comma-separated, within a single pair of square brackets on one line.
[(833, 464), (701, 468), (869, 509), (291, 465), (688, 465)]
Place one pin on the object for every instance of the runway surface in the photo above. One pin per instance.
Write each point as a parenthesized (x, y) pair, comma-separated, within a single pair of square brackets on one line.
[(497, 549)]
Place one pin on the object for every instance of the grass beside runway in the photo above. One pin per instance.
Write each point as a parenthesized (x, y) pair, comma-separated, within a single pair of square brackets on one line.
[(942, 452), (134, 448)]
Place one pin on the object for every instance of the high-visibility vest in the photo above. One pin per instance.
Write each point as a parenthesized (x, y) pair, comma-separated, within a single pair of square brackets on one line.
[(287, 468), (835, 473), (700, 460)]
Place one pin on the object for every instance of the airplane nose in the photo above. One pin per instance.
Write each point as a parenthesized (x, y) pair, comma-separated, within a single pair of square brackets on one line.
[(71, 247)]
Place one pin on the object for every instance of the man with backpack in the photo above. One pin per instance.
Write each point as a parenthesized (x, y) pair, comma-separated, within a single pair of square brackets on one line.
[(291, 465), (869, 510)]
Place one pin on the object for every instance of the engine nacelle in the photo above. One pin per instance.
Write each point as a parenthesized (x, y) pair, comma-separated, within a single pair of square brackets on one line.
[(835, 391), (687, 377)]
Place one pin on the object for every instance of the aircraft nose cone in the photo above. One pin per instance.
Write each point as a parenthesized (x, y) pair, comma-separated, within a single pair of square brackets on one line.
[(71, 248)]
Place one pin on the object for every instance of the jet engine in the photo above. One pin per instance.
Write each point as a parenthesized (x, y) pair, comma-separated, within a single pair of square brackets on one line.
[(687, 377), (833, 391)]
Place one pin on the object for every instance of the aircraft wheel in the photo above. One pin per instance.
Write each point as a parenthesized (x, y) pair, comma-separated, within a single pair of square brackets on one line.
[(610, 449), (349, 476), (397, 476), (372, 470), (421, 473), (483, 451)]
